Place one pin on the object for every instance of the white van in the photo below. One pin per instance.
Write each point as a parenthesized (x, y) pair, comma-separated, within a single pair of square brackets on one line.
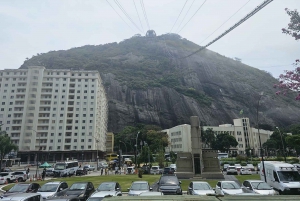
[(283, 177)]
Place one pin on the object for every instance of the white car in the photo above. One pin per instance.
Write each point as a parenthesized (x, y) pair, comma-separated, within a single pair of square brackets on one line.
[(139, 187), (258, 186), (53, 189), (200, 188), (155, 170), (228, 188), (7, 177), (173, 166), (244, 171), (232, 170)]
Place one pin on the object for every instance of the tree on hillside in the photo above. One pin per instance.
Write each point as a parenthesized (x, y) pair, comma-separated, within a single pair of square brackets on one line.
[(290, 81), (275, 143), (224, 142), (6, 146), (208, 136)]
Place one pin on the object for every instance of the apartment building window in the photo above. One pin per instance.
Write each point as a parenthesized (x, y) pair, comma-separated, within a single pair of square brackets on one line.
[(75, 140), (77, 109), (84, 115), (62, 96), (51, 141), (90, 140), (84, 109), (53, 115), (91, 109), (56, 91), (83, 121), (58, 147), (91, 127), (82, 140), (85, 91), (3, 103), (82, 147), (77, 115), (90, 133), (83, 127), (75, 134), (91, 121), (92, 91), (54, 109), (92, 97), (2, 109), (76, 121), (61, 115), (59, 140), (60, 128), (52, 134), (91, 115), (75, 147), (82, 134), (89, 147), (78, 91)]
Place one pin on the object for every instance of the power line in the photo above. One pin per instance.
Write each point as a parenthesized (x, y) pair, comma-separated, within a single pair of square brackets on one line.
[(138, 15), (192, 16), (185, 14), (119, 15), (123, 10), (144, 12), (226, 21), (179, 15), (258, 8)]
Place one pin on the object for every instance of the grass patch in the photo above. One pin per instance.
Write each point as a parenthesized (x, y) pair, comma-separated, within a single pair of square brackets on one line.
[(124, 180), (242, 178)]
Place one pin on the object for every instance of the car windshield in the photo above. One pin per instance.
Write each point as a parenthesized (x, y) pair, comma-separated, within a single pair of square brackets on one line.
[(139, 186), (48, 188), (231, 168), (230, 185), (201, 186), (168, 180), (154, 168), (106, 187), (60, 167), (78, 186), (261, 186), (18, 188), (289, 175)]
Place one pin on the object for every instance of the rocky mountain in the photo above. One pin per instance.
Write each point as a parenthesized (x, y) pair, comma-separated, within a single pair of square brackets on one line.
[(148, 80)]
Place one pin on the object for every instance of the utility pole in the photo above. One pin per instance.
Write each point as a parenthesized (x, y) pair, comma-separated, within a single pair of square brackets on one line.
[(136, 148)]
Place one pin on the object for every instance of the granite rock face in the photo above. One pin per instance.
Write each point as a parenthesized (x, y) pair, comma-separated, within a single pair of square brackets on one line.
[(226, 86)]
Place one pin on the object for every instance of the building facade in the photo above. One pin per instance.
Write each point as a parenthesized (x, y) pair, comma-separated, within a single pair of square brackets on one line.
[(245, 135), (54, 114), (110, 140)]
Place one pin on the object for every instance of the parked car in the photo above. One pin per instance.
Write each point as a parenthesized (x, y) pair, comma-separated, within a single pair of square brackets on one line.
[(155, 170), (146, 169), (232, 170), (258, 167), (169, 185), (173, 166), (82, 190), (151, 193), (52, 189), (23, 197), (244, 171), (21, 176), (225, 166), (89, 167), (258, 186), (168, 170), (130, 170), (200, 188), (63, 198), (102, 164), (228, 188), (238, 166), (22, 188), (6, 170), (138, 187), (49, 172), (297, 166), (111, 188), (81, 171), (7, 177), (251, 167)]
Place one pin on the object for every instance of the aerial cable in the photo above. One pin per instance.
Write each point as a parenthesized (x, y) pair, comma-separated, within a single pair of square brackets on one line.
[(192, 16), (258, 8), (123, 10), (186, 14), (144, 12), (138, 15), (179, 15), (226, 21), (120, 15)]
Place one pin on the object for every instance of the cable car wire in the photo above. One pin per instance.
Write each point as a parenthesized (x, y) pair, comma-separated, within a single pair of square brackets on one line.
[(145, 14), (192, 16), (179, 15), (138, 15), (185, 15), (225, 21), (123, 10), (258, 8), (119, 15)]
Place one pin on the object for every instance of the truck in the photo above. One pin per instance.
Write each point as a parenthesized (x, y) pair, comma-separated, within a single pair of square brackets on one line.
[(283, 177)]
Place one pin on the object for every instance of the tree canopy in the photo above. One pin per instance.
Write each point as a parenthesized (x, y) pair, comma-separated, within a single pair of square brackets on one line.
[(223, 142), (6, 146)]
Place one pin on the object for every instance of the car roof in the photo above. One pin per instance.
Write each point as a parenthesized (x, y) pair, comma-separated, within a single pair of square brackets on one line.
[(109, 182), (20, 195), (253, 180), (227, 181), (54, 182), (140, 182), (81, 182), (200, 182)]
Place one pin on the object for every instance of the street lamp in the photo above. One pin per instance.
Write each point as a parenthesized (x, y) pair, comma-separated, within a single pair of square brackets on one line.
[(283, 149), (261, 152), (137, 135)]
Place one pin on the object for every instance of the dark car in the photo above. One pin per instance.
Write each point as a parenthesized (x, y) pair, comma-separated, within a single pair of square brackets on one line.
[(146, 169), (82, 190), (169, 185), (168, 170), (81, 171), (22, 188)]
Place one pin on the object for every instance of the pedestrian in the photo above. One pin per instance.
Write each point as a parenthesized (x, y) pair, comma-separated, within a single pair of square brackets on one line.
[(28, 170), (116, 170), (44, 174), (101, 171)]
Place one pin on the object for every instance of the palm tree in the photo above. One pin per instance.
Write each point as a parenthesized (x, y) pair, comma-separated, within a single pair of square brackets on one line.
[(6, 146)]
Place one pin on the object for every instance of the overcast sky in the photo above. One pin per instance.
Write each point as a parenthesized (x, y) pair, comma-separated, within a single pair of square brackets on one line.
[(29, 27)]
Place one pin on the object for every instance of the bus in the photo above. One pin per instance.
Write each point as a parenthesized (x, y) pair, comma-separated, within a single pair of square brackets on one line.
[(222, 155), (127, 157), (111, 156), (66, 168)]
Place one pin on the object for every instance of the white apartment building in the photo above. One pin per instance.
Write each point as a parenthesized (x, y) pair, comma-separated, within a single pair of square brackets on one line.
[(246, 136), (59, 114)]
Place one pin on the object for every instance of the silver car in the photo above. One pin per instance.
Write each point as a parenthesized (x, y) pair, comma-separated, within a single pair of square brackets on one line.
[(258, 186), (53, 189), (139, 187), (23, 197), (228, 188), (200, 188), (110, 188)]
